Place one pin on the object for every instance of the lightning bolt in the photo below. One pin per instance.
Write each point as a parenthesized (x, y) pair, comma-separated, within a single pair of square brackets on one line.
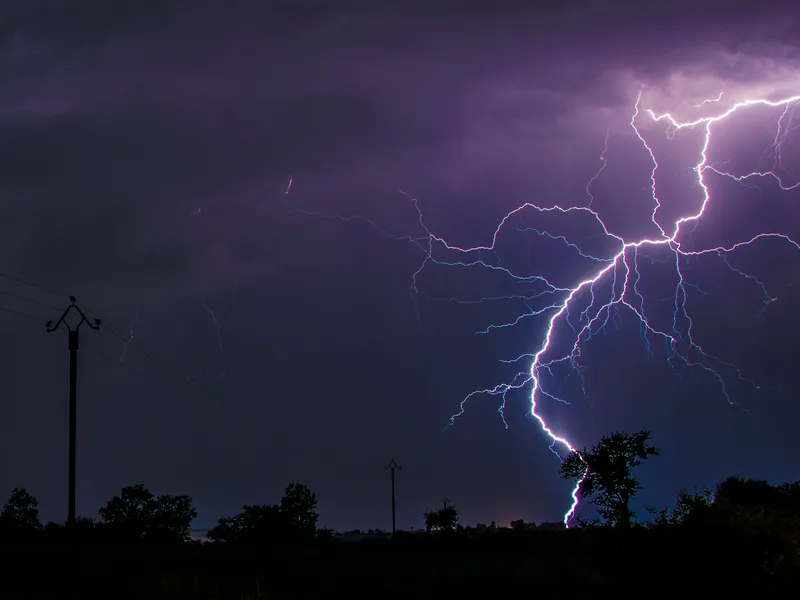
[(600, 171), (220, 347), (130, 338), (708, 101), (289, 185), (582, 309)]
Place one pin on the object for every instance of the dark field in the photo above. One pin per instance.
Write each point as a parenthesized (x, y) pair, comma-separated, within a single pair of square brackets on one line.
[(638, 563)]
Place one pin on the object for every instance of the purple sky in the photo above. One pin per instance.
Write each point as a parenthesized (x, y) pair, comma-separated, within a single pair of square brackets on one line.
[(146, 153)]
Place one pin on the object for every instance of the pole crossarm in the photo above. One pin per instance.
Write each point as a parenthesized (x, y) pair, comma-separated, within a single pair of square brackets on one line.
[(393, 466), (93, 323)]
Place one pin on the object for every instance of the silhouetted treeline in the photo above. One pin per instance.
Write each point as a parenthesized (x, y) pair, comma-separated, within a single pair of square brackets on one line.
[(742, 537), (293, 521), (137, 516)]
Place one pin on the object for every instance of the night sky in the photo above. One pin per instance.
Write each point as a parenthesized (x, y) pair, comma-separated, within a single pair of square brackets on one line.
[(145, 167)]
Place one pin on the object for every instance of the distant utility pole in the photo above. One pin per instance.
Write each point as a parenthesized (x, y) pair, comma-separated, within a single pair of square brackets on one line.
[(73, 389), (392, 467), (444, 501)]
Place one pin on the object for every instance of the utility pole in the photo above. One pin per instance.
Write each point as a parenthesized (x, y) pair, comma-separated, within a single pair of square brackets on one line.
[(444, 501), (392, 467), (73, 390)]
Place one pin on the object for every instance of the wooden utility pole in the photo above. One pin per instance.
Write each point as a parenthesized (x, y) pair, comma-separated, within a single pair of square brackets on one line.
[(73, 391), (444, 501), (392, 467)]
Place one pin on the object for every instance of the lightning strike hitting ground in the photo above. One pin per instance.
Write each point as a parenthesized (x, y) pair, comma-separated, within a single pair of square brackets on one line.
[(581, 310)]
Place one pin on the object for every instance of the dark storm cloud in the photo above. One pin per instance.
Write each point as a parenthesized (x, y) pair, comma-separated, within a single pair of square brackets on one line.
[(120, 123), (163, 111), (161, 144), (161, 138)]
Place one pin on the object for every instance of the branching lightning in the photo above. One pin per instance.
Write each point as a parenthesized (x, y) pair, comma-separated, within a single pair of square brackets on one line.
[(577, 312), (600, 171), (220, 347), (130, 338)]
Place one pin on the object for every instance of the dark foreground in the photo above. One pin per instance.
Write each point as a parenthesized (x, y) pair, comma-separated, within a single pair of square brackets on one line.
[(638, 563)]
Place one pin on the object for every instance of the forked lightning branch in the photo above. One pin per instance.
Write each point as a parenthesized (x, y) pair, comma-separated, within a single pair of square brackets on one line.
[(573, 314)]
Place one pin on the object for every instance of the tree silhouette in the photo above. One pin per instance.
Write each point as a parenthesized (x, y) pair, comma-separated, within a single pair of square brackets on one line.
[(605, 473), (227, 530), (172, 517), (294, 520), (255, 524), (519, 525), (128, 513), (759, 522), (758, 506), (691, 508), (299, 508), (137, 514), (443, 519), (20, 512), (752, 494)]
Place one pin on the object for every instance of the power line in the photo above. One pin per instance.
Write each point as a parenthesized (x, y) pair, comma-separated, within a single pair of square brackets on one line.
[(27, 299), (19, 313), (31, 284), (147, 352), (167, 365), (138, 375), (91, 348), (107, 325)]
